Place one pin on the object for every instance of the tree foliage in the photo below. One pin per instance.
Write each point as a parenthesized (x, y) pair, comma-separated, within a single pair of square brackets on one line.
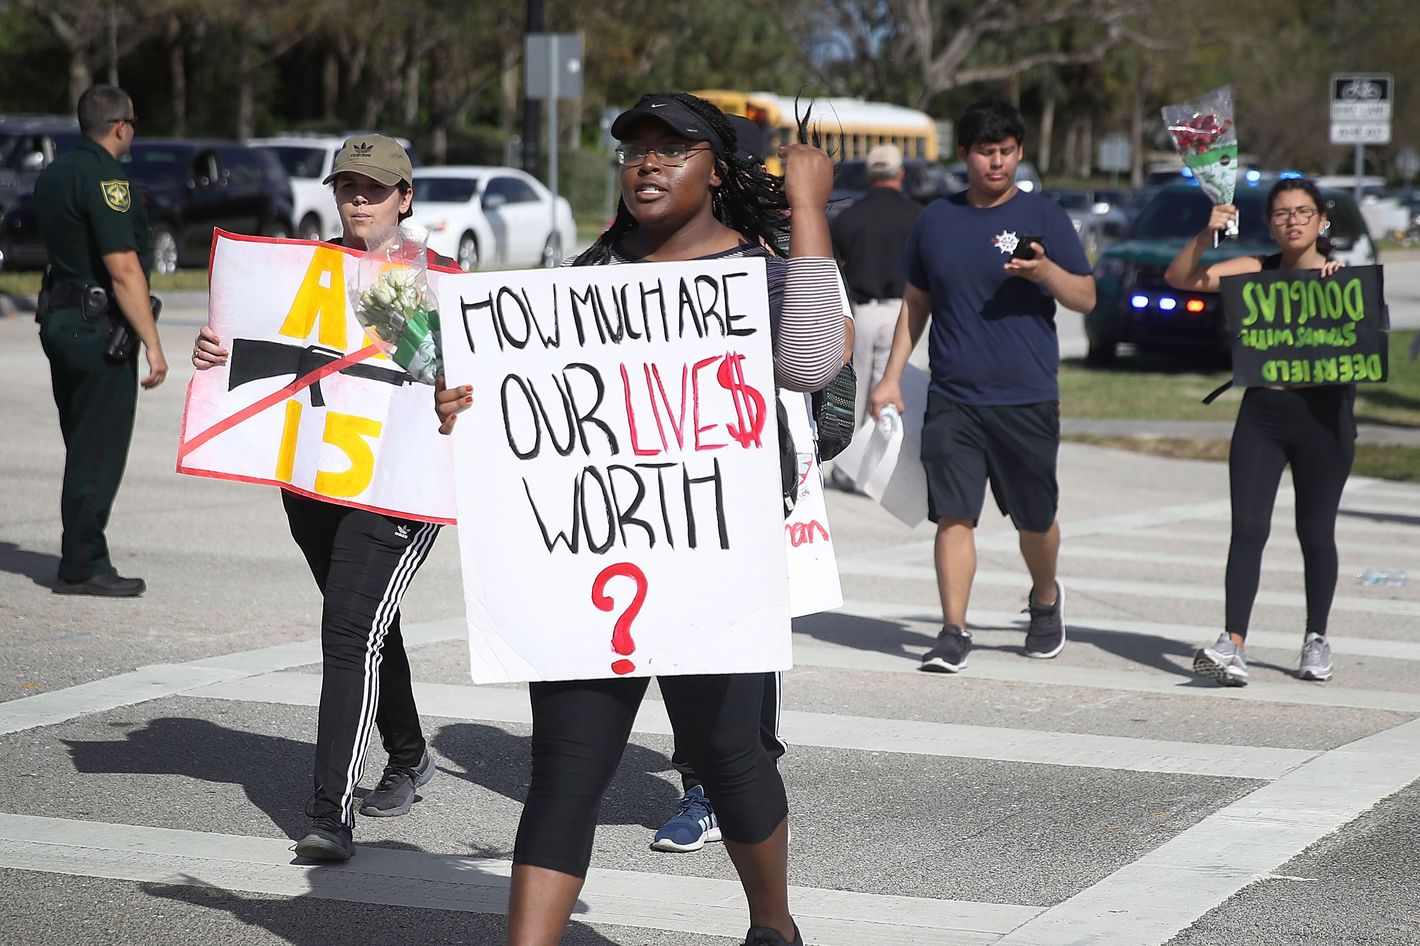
[(1078, 68)]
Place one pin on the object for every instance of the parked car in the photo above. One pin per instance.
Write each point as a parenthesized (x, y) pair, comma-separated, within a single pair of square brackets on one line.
[(28, 143), (189, 187), (1097, 221), (924, 181), (307, 159), (1134, 304), (488, 217)]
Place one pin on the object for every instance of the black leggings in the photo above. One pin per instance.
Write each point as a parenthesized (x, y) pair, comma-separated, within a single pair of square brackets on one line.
[(580, 729), (770, 708), (1313, 430), (363, 562)]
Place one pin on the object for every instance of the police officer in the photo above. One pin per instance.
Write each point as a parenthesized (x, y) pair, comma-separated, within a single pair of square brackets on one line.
[(96, 233)]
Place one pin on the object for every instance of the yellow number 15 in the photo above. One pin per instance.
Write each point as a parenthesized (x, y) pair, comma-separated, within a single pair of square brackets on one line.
[(347, 433)]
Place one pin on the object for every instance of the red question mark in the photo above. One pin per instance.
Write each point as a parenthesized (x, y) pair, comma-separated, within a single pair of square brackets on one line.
[(621, 641)]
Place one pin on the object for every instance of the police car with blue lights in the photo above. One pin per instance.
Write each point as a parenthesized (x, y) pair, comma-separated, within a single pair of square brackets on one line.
[(1135, 306)]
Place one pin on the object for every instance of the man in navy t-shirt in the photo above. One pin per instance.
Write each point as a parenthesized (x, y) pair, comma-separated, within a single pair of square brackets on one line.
[(988, 266)]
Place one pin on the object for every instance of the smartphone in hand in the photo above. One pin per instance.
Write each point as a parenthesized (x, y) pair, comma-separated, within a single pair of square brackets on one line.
[(1024, 250)]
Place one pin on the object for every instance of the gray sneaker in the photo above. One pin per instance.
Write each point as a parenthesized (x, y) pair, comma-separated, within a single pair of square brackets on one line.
[(1316, 659), (1222, 661), (395, 794)]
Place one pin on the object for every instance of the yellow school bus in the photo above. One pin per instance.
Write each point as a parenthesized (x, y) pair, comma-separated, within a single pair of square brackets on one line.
[(850, 127)]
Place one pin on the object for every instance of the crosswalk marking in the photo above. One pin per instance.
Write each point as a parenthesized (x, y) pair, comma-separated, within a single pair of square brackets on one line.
[(837, 731), (1149, 901), (696, 905)]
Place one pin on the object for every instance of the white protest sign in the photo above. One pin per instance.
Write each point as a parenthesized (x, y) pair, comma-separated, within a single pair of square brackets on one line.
[(617, 473), (813, 569), (891, 472), (305, 402)]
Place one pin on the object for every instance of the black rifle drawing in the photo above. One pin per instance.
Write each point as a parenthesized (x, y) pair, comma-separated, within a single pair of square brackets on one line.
[(254, 359)]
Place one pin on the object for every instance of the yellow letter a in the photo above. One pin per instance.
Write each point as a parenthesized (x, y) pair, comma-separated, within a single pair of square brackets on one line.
[(321, 298)]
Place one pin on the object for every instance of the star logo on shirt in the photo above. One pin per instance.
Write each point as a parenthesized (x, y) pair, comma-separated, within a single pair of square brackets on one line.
[(1006, 241)]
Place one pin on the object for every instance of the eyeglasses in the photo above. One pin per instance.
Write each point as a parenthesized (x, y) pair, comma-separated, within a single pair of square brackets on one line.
[(672, 156), (1300, 214), (131, 122)]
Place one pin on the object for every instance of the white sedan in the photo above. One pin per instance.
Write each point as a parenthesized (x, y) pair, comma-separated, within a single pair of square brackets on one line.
[(488, 217)]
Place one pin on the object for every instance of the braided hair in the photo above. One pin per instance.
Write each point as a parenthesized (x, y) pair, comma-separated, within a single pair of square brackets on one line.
[(749, 200)]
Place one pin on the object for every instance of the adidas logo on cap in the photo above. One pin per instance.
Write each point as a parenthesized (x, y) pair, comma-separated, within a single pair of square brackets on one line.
[(362, 149)]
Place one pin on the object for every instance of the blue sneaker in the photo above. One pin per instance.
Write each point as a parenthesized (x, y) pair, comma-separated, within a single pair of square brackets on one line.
[(692, 826)]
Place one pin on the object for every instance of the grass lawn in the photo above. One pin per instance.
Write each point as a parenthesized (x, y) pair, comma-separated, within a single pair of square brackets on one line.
[(25, 282), (1149, 389), (1382, 462)]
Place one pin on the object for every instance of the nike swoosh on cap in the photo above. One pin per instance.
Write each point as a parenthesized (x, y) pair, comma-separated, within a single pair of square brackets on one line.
[(658, 104)]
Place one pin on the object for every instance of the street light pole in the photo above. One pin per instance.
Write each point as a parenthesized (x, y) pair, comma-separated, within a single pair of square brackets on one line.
[(532, 108)]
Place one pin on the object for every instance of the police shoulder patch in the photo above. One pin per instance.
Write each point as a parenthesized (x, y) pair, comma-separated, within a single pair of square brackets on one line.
[(116, 195)]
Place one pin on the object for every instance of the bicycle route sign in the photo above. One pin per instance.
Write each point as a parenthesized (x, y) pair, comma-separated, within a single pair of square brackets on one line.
[(1361, 107)]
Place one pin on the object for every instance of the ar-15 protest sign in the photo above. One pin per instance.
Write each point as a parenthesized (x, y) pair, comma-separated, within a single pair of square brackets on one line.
[(617, 474), (305, 401), (1292, 327)]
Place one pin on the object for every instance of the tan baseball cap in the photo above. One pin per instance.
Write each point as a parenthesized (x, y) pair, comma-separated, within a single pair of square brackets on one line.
[(378, 157), (885, 159)]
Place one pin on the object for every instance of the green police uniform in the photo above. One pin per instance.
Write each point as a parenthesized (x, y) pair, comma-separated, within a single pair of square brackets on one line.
[(87, 208)]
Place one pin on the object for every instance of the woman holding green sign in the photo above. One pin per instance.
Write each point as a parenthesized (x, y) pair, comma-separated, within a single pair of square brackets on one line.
[(1310, 428)]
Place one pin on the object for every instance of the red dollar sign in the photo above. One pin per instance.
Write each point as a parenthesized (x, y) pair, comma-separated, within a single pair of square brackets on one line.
[(621, 641), (749, 403)]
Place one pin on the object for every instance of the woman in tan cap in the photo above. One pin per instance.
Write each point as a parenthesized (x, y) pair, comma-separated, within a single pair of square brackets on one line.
[(686, 195), (362, 562)]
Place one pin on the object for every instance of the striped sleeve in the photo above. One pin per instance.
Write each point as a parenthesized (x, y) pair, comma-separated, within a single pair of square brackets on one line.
[(808, 341)]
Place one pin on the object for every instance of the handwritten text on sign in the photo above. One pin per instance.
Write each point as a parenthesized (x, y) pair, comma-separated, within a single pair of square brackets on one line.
[(617, 473), (1294, 327), (304, 402)]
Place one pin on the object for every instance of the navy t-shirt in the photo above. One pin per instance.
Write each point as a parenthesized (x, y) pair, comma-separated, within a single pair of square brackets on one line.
[(992, 336)]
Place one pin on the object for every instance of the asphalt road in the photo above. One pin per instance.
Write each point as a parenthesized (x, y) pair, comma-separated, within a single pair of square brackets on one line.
[(157, 750)]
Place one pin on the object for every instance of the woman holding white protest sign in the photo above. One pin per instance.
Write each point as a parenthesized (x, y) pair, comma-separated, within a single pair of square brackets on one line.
[(1310, 428), (687, 196), (362, 561)]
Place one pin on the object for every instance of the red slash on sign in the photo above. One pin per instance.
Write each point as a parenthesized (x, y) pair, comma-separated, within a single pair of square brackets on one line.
[(276, 397)]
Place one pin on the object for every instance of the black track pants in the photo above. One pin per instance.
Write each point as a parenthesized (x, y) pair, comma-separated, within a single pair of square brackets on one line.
[(363, 562)]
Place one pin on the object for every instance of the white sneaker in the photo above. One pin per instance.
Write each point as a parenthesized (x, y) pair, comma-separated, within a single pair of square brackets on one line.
[(1222, 661), (1316, 659)]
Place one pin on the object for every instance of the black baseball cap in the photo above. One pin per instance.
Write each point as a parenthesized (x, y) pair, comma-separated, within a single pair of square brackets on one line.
[(671, 112), (749, 139)]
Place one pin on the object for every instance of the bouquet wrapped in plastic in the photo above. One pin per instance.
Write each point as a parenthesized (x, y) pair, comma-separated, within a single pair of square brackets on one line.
[(1206, 138), (397, 308)]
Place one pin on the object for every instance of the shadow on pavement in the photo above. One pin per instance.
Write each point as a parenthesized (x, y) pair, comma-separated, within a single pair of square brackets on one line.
[(316, 920), (885, 637), (39, 567), (501, 762), (1395, 517), (272, 770)]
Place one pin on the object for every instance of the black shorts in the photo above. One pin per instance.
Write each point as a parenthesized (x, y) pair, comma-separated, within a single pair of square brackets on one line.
[(1015, 447)]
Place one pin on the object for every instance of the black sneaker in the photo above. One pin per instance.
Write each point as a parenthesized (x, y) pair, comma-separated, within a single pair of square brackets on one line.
[(764, 936), (103, 586), (328, 840), (395, 793), (1046, 635), (949, 653)]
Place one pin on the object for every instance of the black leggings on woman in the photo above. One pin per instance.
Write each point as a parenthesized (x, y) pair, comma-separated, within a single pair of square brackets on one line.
[(580, 729), (1313, 430)]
